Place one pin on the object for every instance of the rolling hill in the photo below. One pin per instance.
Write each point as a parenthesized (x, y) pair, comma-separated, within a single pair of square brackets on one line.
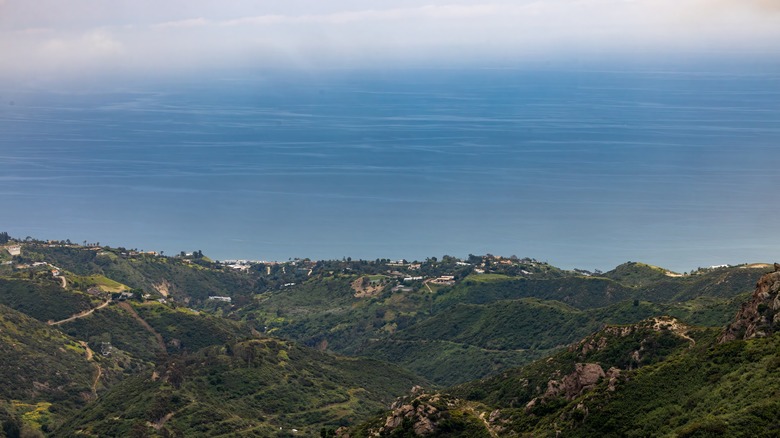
[(658, 377), (109, 341), (261, 387)]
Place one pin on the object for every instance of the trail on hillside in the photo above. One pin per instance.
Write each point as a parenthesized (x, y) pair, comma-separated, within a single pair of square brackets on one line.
[(90, 358), (145, 324), (481, 416), (80, 314), (157, 425)]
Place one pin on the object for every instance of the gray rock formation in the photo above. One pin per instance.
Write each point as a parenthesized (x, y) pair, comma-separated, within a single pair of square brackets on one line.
[(584, 377), (759, 316)]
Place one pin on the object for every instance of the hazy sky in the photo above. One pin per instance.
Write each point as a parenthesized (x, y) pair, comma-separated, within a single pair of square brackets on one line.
[(42, 39), (630, 129)]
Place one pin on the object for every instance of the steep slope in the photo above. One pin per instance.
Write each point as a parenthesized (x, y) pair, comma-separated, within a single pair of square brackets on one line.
[(576, 291), (729, 389), (484, 324), (114, 326), (43, 299), (260, 387), (509, 324), (150, 330), (655, 378), (499, 404), (188, 330), (622, 347), (181, 279), (39, 366), (722, 283), (760, 316)]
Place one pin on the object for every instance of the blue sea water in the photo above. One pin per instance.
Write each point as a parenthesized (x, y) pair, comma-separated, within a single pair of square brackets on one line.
[(581, 168)]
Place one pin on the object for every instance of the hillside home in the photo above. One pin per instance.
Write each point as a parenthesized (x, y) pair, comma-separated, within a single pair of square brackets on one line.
[(444, 280)]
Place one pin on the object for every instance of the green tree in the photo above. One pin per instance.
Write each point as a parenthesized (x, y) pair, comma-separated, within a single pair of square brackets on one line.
[(11, 429)]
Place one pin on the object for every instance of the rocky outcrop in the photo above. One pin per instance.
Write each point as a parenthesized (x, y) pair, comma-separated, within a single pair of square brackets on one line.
[(613, 377), (584, 377), (759, 316), (601, 340), (164, 288), (644, 332), (420, 413), (631, 346)]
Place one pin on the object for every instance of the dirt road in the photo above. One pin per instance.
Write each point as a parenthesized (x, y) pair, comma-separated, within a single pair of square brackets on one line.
[(80, 315), (150, 329), (90, 358)]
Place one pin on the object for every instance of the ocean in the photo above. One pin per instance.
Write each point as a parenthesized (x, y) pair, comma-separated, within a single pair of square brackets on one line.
[(579, 168)]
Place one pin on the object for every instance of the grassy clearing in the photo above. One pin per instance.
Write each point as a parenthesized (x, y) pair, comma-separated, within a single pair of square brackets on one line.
[(33, 415), (105, 284), (488, 278)]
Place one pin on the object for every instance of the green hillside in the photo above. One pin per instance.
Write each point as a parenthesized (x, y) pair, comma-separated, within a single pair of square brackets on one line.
[(576, 291), (124, 326), (182, 279), (41, 367), (655, 378), (479, 324), (184, 329), (523, 324), (715, 283), (44, 300), (325, 311), (675, 389), (248, 388), (162, 359), (116, 326), (636, 274), (446, 363)]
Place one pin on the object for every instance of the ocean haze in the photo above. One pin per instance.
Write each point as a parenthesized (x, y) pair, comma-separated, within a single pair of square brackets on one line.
[(48, 40), (580, 168)]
